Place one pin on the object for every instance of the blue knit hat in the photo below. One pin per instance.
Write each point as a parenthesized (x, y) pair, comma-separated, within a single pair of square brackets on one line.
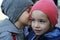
[(14, 8)]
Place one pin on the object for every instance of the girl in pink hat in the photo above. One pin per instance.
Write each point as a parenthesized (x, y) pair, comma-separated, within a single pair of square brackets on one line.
[(44, 16)]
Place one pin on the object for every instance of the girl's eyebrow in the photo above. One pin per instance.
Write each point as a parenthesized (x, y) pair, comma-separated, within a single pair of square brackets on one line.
[(41, 19)]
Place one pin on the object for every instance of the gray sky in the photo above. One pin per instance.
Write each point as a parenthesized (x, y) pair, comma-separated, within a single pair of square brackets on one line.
[(0, 2), (1, 14)]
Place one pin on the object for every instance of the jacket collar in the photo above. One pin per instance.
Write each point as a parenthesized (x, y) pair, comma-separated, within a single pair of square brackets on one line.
[(6, 25), (54, 33)]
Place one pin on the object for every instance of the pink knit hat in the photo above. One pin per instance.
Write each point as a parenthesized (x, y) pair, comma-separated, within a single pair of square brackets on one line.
[(49, 8)]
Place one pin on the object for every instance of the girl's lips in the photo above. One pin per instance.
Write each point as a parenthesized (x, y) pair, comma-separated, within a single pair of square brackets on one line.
[(37, 30)]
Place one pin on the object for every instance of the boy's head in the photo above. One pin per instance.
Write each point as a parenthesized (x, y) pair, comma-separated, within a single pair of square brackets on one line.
[(44, 14), (14, 8)]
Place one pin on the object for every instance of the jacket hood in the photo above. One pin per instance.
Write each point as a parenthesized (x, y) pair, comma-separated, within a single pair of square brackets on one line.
[(14, 8)]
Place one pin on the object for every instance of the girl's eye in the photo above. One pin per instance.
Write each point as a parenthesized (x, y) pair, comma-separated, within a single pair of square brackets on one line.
[(42, 21)]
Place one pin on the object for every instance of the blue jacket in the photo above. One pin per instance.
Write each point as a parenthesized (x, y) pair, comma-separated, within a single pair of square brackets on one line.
[(6, 27), (53, 35)]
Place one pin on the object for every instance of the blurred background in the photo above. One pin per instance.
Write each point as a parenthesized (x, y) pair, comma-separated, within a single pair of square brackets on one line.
[(57, 2)]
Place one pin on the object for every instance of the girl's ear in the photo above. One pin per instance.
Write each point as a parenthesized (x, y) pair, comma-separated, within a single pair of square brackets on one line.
[(51, 27)]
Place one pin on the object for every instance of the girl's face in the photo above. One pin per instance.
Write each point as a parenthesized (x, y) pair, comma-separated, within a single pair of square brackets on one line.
[(40, 22)]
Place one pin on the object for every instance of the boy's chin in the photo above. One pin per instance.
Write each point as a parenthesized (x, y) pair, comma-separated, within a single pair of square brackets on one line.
[(25, 24)]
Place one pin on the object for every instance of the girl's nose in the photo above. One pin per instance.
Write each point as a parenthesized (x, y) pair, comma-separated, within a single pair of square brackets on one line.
[(37, 25)]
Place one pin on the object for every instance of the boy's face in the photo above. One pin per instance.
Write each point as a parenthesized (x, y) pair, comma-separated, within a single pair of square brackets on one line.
[(24, 18), (40, 22)]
